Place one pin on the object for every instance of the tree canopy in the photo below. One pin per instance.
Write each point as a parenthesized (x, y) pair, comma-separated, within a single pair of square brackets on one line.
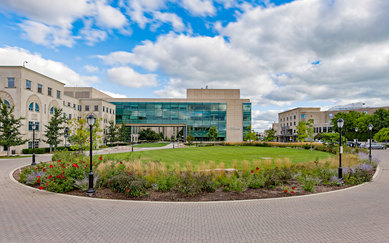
[(270, 135), (54, 127), (212, 134)]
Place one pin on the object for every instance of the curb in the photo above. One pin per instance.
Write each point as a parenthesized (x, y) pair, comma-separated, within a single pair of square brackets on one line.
[(376, 174)]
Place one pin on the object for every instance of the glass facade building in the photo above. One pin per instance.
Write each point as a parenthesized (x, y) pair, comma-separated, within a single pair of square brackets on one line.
[(195, 118), (246, 117)]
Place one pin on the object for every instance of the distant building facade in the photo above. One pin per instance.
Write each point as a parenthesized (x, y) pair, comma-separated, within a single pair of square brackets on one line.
[(35, 96), (286, 127)]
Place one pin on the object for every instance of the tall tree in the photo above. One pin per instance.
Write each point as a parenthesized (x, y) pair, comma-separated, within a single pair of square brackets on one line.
[(9, 127), (270, 135), (382, 135), (305, 130), (149, 135), (53, 129), (250, 135), (124, 134), (112, 132), (212, 134), (80, 132)]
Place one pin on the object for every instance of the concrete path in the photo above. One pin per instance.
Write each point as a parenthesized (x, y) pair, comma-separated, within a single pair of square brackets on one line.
[(359, 214)]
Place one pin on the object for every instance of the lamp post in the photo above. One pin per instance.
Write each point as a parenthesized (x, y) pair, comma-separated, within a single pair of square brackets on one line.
[(33, 144), (91, 122), (370, 130), (340, 125), (356, 138), (66, 134)]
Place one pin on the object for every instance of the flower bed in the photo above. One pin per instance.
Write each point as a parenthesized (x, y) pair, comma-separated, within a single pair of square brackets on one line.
[(155, 181)]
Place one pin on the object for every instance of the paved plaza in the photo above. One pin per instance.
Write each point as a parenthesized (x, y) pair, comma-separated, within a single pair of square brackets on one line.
[(360, 214)]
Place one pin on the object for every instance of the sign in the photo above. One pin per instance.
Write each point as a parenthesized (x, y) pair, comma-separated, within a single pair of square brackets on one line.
[(341, 149)]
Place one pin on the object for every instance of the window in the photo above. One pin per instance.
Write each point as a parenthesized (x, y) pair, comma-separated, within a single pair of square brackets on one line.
[(28, 84), (36, 144), (330, 115), (40, 88), (11, 82), (37, 126), (31, 106), (49, 92), (36, 107), (324, 129), (74, 106), (109, 110), (294, 117), (64, 115), (295, 123), (87, 108), (52, 110), (30, 124), (70, 116), (96, 108), (58, 94), (68, 104), (303, 116), (103, 109), (79, 107), (7, 103)]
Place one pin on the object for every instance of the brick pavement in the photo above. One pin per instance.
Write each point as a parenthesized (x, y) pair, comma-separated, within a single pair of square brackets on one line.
[(359, 214)]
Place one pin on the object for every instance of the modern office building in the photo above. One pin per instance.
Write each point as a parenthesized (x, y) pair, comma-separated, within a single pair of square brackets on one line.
[(35, 95), (286, 128)]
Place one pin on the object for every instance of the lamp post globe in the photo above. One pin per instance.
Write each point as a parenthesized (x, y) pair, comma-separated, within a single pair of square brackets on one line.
[(33, 143), (370, 130), (91, 122), (340, 123)]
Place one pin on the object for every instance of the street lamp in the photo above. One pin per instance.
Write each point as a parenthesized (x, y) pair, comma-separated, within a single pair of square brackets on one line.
[(340, 125), (91, 122), (33, 143), (370, 129), (66, 134), (356, 138)]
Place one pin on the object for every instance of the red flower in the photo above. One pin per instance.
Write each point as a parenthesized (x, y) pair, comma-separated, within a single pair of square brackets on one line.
[(286, 191), (128, 190), (38, 177), (39, 182), (129, 173), (109, 182), (252, 171), (292, 192), (36, 168), (44, 169), (62, 176), (121, 162), (50, 176), (293, 188), (59, 161), (257, 168), (101, 158), (58, 176), (51, 166), (47, 184), (41, 187)]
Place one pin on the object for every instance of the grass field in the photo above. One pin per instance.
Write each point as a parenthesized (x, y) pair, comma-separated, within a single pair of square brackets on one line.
[(14, 157), (150, 145), (227, 155)]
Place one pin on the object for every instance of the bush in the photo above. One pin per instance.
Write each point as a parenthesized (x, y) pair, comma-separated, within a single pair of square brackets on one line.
[(256, 181), (129, 184), (188, 185), (308, 183)]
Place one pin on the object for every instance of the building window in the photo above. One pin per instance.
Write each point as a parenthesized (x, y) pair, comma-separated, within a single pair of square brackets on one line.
[(49, 92), (324, 129), (294, 117), (64, 115), (303, 116), (96, 108), (74, 106), (295, 123), (7, 103), (31, 106), (87, 108), (11, 82), (52, 110), (58, 94), (68, 104), (36, 107), (330, 115), (40, 88), (30, 124), (79, 107), (103, 109), (28, 84), (70, 116)]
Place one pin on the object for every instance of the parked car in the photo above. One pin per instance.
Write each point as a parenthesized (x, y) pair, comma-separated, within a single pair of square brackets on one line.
[(374, 146)]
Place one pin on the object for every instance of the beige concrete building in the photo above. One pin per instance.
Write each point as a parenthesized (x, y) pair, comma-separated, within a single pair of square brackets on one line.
[(34, 97), (286, 128)]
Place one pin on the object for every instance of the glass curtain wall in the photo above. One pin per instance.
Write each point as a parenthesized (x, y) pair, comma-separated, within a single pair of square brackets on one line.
[(198, 117), (246, 117)]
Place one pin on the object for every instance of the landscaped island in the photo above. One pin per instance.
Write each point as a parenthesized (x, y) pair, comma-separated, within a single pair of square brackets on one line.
[(198, 174)]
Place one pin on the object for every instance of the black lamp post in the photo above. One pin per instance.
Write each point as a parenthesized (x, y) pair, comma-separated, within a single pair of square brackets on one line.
[(33, 143), (66, 134), (340, 125), (370, 130), (356, 138), (91, 122)]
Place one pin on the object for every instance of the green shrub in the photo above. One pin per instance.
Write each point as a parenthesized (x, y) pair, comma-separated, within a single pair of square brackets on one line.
[(308, 183), (129, 184), (188, 185), (256, 181)]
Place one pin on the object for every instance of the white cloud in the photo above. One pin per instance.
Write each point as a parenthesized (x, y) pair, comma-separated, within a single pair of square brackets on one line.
[(91, 68), (128, 77), (114, 95), (16, 56), (171, 18), (109, 17), (199, 7)]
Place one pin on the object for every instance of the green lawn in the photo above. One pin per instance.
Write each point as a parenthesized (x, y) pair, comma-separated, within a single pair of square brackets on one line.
[(150, 145), (221, 154), (15, 157)]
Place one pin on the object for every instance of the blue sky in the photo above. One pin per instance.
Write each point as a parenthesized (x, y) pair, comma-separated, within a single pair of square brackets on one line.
[(281, 54)]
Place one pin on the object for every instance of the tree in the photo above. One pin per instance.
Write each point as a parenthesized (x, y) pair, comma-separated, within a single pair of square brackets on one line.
[(305, 130), (80, 132), (250, 135), (270, 135), (190, 139), (212, 134), (149, 135), (9, 127), (112, 132), (124, 134), (53, 129), (382, 135), (331, 138)]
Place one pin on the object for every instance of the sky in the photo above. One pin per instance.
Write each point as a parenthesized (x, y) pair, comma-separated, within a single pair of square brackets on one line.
[(281, 54)]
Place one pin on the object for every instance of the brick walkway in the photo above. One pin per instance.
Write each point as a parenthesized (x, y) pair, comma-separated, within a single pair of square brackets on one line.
[(356, 215)]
